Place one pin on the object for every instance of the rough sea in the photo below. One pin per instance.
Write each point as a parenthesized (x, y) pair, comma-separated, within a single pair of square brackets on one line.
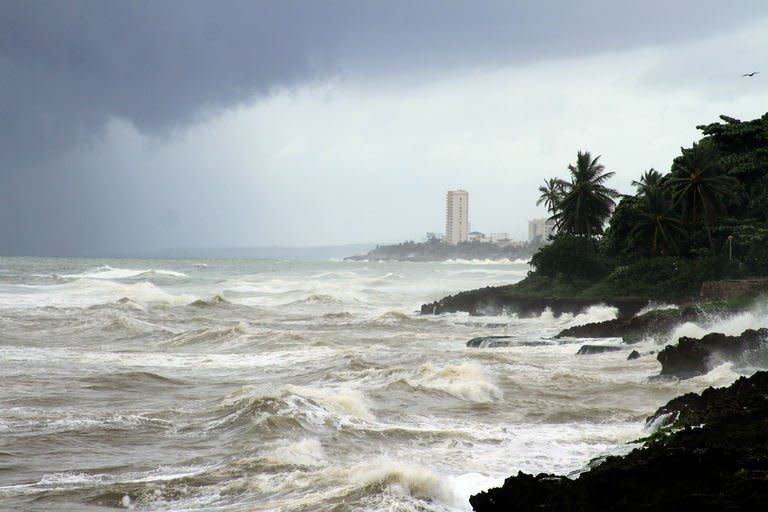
[(224, 385)]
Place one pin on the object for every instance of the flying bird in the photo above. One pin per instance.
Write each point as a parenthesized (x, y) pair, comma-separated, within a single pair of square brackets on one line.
[(751, 74)]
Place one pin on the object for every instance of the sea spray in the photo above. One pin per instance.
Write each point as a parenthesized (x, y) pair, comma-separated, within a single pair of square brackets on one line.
[(465, 381)]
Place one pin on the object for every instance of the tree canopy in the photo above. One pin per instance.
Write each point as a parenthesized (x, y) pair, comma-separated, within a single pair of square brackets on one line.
[(706, 218), (585, 202)]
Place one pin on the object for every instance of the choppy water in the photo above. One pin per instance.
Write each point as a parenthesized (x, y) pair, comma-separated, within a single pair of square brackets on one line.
[(297, 386)]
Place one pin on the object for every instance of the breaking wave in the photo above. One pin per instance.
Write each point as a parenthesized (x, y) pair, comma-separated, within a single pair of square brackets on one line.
[(306, 452), (107, 272), (318, 299), (216, 300), (463, 381), (91, 292)]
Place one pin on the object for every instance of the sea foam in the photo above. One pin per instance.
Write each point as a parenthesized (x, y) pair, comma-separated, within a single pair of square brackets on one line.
[(464, 381)]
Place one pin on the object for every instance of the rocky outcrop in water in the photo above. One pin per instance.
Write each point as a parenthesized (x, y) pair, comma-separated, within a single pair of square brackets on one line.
[(634, 328), (692, 356), (712, 456), (503, 341), (489, 341), (495, 300), (588, 350)]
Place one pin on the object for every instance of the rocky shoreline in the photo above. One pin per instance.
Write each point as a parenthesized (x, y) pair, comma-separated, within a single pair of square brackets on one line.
[(711, 453), (495, 300), (693, 356), (635, 328)]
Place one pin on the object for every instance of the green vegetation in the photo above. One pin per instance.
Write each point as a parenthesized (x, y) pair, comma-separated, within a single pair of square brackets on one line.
[(435, 250), (705, 219)]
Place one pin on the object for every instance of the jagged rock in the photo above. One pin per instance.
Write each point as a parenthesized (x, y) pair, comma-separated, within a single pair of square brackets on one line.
[(587, 350), (503, 341), (717, 460), (495, 300), (692, 356), (489, 341), (633, 355), (635, 328)]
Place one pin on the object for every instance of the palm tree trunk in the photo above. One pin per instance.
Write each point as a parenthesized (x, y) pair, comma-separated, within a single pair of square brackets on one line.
[(709, 237)]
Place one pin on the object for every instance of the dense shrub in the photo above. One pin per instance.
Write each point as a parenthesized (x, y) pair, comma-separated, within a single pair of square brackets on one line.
[(663, 278), (569, 257)]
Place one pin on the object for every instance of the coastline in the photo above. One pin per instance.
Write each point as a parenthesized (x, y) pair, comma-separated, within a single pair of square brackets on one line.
[(437, 251), (709, 452), (494, 300), (712, 447)]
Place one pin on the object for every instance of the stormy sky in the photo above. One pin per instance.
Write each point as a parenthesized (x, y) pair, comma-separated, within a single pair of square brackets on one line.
[(131, 127)]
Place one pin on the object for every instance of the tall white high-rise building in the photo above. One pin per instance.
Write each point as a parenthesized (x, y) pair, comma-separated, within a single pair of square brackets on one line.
[(457, 217), (540, 229)]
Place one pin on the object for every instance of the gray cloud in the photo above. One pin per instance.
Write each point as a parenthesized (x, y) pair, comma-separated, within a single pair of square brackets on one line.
[(68, 69)]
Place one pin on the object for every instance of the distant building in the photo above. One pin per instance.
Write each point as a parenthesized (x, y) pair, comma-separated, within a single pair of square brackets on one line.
[(499, 237), (477, 236), (457, 217), (540, 229)]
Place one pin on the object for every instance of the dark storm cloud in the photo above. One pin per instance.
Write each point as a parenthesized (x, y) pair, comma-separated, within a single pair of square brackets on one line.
[(67, 67)]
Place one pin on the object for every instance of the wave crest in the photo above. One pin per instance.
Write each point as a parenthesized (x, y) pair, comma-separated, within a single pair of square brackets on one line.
[(464, 381), (107, 272), (216, 300)]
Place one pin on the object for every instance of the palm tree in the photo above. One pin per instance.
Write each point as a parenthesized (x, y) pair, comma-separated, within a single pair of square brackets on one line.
[(699, 186), (586, 202), (658, 227), (649, 181), (551, 194)]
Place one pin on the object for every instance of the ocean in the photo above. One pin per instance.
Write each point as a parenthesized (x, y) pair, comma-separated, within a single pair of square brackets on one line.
[(226, 385)]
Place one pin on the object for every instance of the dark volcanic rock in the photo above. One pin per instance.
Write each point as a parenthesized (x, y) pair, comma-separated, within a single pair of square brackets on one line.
[(717, 460), (692, 356), (634, 328), (494, 300), (633, 355), (587, 350), (503, 341), (489, 341)]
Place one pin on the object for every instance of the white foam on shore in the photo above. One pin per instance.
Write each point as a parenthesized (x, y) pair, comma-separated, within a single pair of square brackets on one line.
[(465, 485), (596, 313), (731, 325), (720, 376)]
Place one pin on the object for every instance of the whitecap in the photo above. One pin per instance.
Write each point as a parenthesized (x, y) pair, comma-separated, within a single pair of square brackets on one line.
[(404, 480), (464, 381), (305, 452), (343, 401), (107, 272)]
